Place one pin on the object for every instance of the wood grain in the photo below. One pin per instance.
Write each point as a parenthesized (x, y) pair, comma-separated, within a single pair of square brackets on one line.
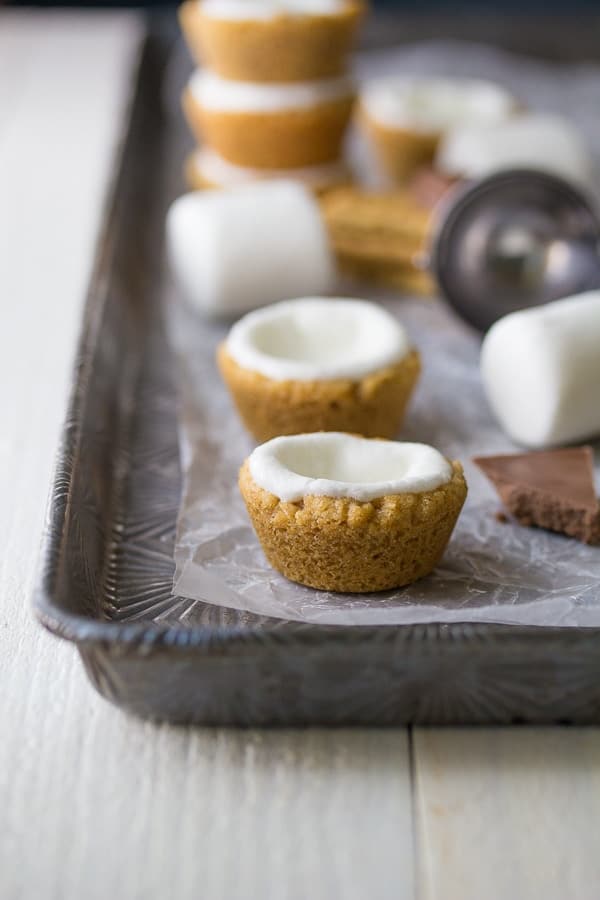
[(508, 813), (94, 804)]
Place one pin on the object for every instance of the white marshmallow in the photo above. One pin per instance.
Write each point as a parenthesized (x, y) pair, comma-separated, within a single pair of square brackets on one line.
[(317, 338), (261, 10), (434, 104), (541, 371), (234, 250), (544, 142), (218, 171), (219, 94), (333, 464)]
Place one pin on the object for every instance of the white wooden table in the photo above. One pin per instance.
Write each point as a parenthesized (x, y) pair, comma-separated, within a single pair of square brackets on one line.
[(97, 805)]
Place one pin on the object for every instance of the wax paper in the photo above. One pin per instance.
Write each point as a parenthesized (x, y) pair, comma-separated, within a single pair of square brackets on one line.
[(492, 571)]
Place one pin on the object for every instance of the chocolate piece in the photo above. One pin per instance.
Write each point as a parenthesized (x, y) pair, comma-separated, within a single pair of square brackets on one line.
[(551, 489)]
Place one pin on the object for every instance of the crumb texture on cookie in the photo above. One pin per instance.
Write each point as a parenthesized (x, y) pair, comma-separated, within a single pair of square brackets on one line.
[(319, 364), (278, 42), (341, 544), (374, 406)]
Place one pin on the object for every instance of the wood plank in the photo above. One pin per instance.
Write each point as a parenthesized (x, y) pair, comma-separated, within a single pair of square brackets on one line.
[(94, 804), (508, 813), (156, 812)]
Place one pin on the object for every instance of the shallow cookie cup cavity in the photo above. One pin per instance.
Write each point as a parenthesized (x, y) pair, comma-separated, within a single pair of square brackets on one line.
[(319, 364), (343, 513), (272, 40)]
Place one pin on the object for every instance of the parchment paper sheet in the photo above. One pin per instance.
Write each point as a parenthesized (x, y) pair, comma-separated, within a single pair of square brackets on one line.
[(491, 572)]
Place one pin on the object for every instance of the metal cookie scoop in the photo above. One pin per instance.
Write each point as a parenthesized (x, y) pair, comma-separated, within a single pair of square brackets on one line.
[(513, 240)]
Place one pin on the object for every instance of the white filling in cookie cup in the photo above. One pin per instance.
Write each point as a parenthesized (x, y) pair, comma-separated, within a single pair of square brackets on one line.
[(333, 464), (218, 94), (263, 10), (317, 338), (431, 105)]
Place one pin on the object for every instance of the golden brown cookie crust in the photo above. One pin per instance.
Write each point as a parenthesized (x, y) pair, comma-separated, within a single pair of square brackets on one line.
[(284, 49), (373, 406), (338, 544), (400, 152), (285, 139)]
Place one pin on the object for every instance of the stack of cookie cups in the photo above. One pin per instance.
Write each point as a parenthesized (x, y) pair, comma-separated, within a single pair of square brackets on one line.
[(273, 98)]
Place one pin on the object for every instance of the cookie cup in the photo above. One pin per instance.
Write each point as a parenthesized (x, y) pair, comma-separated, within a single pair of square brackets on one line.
[(373, 406), (319, 364), (346, 545), (284, 48), (400, 152), (405, 117), (272, 139)]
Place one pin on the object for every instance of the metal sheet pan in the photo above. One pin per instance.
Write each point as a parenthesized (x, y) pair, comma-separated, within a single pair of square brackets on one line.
[(106, 582)]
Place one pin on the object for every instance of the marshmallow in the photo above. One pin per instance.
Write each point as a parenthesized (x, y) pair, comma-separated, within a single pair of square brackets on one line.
[(216, 170), (317, 338), (533, 141), (234, 250), (333, 464), (541, 371), (219, 94), (261, 10), (434, 104)]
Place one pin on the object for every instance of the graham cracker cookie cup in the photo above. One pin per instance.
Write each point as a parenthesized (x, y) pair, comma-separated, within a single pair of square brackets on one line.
[(319, 364), (374, 406), (341, 544), (406, 117), (400, 152), (272, 139), (286, 47)]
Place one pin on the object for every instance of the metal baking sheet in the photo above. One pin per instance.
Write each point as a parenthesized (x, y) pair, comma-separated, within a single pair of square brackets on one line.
[(492, 571), (108, 560)]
